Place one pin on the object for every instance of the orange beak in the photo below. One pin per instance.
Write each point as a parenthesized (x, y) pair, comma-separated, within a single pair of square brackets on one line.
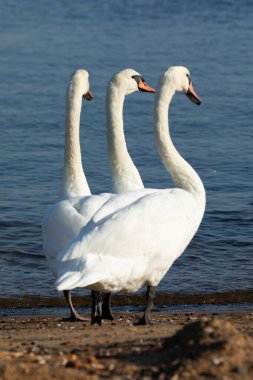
[(191, 94), (145, 87), (88, 95)]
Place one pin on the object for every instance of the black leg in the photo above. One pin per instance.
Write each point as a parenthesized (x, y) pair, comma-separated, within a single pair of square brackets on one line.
[(74, 316), (106, 308), (145, 320), (96, 311)]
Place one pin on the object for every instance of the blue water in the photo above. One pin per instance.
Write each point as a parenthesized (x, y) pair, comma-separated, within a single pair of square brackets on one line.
[(41, 43)]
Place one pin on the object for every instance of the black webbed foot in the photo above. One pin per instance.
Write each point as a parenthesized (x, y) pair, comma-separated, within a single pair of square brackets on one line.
[(74, 316), (145, 320), (95, 319)]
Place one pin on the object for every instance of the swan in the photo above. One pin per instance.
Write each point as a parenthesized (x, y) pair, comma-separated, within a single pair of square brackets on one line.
[(135, 237), (125, 175), (64, 220), (57, 234)]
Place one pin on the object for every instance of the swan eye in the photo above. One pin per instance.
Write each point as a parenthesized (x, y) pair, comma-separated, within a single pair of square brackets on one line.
[(189, 78), (137, 78)]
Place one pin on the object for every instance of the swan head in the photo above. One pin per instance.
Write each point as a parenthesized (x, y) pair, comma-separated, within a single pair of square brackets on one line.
[(79, 82), (130, 81), (180, 76)]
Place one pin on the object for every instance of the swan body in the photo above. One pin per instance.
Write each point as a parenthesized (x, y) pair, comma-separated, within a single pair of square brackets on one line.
[(114, 262), (64, 220), (134, 238)]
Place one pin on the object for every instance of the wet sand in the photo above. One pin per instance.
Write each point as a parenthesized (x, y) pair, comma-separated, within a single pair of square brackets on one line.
[(236, 297), (176, 346)]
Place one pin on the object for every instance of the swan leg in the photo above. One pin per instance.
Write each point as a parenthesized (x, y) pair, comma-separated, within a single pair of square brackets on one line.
[(96, 311), (106, 308), (74, 316), (145, 320)]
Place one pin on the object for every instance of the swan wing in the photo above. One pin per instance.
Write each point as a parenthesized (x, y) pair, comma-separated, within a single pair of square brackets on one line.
[(119, 202), (131, 246), (63, 221)]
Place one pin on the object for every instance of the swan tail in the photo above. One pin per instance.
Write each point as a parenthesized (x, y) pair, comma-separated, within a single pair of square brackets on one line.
[(78, 273), (67, 281)]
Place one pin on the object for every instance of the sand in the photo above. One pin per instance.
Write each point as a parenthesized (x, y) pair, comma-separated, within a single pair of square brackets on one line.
[(177, 346)]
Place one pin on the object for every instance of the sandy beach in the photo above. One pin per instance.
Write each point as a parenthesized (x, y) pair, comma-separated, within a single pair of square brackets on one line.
[(176, 346)]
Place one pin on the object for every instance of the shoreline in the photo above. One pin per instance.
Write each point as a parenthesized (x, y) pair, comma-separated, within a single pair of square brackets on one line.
[(178, 346), (38, 312), (161, 298)]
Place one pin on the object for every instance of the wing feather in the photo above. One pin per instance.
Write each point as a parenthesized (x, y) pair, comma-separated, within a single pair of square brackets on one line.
[(155, 227)]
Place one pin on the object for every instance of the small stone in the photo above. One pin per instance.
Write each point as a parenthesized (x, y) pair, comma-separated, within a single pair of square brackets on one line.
[(41, 360), (209, 330), (154, 369), (241, 370), (217, 361), (111, 367), (191, 318)]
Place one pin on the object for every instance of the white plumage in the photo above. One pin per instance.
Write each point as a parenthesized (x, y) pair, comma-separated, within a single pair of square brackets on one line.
[(130, 246)]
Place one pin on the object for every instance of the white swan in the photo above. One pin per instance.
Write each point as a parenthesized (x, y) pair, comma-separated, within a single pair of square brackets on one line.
[(124, 248), (56, 235), (125, 176), (64, 220)]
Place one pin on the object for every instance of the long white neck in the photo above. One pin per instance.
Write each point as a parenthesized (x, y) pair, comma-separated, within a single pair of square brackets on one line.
[(74, 182), (183, 175), (125, 175)]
